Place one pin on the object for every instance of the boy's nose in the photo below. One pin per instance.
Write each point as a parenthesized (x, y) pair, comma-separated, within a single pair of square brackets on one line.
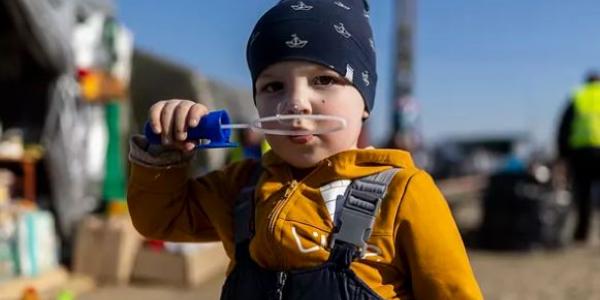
[(293, 108), (296, 103)]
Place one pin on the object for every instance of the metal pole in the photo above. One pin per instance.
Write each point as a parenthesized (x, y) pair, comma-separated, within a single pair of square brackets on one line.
[(405, 21)]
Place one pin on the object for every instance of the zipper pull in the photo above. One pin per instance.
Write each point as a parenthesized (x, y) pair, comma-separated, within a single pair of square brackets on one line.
[(281, 278), (292, 184), (288, 190)]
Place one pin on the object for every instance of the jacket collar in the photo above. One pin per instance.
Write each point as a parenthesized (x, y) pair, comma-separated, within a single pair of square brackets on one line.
[(347, 164)]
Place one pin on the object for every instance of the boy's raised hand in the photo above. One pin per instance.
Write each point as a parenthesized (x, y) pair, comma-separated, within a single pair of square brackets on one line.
[(172, 118)]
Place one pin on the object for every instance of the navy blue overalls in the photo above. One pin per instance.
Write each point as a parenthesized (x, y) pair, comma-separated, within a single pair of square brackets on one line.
[(332, 280)]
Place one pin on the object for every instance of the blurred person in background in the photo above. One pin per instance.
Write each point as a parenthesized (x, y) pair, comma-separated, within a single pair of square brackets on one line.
[(251, 145), (579, 147)]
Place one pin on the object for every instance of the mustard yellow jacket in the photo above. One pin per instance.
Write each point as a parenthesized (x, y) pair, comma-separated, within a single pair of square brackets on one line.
[(415, 250)]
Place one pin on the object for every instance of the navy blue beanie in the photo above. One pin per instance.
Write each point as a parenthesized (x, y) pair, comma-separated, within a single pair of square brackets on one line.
[(335, 34)]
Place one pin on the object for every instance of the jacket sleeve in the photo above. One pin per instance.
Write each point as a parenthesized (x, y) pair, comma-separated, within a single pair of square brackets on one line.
[(431, 243), (564, 131), (165, 204)]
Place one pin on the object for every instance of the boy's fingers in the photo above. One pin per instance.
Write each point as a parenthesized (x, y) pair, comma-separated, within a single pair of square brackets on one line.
[(154, 116), (166, 119), (171, 119), (197, 111), (180, 116), (189, 146), (186, 146)]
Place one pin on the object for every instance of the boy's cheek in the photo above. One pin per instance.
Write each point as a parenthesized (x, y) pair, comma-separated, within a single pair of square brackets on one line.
[(264, 108), (263, 112)]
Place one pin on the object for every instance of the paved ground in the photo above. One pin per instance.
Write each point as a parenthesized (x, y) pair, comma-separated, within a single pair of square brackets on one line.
[(209, 290), (572, 274)]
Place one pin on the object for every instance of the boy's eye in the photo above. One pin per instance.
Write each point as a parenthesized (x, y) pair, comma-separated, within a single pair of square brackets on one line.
[(325, 80), (272, 87)]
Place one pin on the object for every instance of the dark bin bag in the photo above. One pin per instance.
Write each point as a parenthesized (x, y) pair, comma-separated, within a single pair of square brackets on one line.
[(520, 213)]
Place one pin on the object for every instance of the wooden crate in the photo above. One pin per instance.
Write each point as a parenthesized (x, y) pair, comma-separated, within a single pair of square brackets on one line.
[(180, 269)]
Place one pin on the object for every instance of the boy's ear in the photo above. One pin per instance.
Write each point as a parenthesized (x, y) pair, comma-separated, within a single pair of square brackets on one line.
[(365, 115)]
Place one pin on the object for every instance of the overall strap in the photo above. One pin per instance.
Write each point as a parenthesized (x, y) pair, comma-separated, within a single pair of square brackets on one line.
[(361, 204), (243, 209)]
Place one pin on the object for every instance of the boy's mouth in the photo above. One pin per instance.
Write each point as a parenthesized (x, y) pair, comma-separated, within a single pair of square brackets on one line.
[(301, 139)]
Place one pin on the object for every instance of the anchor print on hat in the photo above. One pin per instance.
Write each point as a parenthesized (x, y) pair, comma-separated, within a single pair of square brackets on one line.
[(342, 30), (301, 6), (296, 42), (365, 78), (342, 5)]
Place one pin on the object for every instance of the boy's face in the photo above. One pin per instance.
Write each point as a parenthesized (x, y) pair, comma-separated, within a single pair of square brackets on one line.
[(296, 87)]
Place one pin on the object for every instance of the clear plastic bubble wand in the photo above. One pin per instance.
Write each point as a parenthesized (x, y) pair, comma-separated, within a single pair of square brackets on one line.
[(215, 128)]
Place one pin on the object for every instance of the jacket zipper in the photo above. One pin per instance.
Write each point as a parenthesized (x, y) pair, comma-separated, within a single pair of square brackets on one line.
[(280, 204), (281, 278), (291, 187)]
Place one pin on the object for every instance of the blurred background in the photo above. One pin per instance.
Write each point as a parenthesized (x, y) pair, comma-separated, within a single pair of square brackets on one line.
[(498, 100)]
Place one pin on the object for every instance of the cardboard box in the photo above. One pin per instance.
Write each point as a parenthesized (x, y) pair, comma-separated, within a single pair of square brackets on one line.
[(180, 269), (105, 249)]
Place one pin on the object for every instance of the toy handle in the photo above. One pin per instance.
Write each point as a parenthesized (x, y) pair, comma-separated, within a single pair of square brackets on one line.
[(208, 129)]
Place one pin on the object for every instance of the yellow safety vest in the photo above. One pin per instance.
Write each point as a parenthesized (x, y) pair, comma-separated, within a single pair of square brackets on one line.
[(585, 131), (237, 154)]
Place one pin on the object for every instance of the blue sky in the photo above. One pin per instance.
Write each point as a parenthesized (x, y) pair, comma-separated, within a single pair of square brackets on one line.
[(482, 67)]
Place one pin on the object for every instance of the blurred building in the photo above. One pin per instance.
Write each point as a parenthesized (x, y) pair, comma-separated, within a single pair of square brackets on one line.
[(464, 156)]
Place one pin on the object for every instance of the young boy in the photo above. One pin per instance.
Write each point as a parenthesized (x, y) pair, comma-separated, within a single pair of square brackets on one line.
[(325, 220)]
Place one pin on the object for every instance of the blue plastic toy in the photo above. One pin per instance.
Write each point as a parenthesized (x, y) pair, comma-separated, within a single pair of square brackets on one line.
[(208, 129)]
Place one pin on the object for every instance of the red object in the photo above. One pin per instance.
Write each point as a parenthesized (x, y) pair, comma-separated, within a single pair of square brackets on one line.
[(156, 245), (82, 73)]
